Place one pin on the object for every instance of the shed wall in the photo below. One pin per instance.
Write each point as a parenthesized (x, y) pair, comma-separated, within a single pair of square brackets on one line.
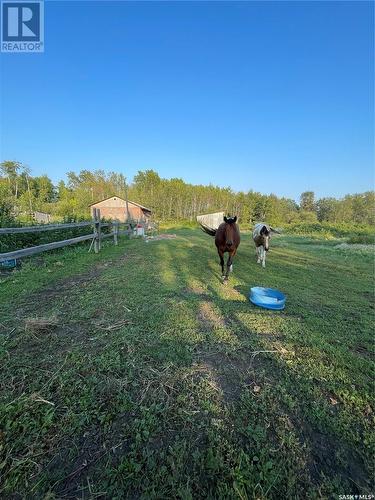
[(116, 209)]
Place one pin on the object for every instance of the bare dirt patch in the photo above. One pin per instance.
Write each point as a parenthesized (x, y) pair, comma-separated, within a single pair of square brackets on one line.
[(223, 379), (323, 461), (363, 351), (64, 287), (233, 373), (194, 290)]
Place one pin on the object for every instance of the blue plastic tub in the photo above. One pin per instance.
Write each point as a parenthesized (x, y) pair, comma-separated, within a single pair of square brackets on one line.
[(269, 298)]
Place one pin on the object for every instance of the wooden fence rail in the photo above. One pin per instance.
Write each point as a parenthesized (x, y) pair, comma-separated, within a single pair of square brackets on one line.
[(47, 227), (43, 227), (97, 236), (26, 252)]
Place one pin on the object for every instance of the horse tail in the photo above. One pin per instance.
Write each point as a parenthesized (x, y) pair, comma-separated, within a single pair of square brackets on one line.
[(208, 230)]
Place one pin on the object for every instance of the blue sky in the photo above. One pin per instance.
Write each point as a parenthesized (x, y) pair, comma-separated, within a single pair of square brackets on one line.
[(271, 96)]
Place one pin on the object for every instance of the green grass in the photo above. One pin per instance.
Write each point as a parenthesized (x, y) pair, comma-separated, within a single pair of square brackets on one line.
[(161, 382)]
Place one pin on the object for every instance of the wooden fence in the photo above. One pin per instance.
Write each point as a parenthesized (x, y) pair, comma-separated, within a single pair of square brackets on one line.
[(96, 236)]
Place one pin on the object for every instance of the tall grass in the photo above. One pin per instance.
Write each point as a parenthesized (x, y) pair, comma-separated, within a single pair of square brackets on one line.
[(354, 233)]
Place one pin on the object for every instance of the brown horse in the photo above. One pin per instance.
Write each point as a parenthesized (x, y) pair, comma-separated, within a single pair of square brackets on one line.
[(227, 239)]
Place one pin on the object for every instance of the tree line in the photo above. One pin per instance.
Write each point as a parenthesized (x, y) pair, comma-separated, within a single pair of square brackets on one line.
[(169, 199)]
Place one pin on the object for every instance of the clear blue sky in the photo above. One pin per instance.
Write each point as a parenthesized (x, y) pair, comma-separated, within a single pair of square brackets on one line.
[(271, 96)]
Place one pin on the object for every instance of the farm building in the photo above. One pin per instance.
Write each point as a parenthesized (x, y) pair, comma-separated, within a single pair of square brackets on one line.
[(116, 208), (41, 217), (212, 221)]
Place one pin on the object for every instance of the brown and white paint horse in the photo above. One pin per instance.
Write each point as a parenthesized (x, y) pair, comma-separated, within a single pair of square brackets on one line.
[(261, 236), (227, 239)]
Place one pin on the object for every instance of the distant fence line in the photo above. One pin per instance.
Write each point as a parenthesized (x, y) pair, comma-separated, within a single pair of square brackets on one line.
[(97, 236)]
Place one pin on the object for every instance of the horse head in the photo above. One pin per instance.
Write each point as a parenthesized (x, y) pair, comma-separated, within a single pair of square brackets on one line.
[(229, 229)]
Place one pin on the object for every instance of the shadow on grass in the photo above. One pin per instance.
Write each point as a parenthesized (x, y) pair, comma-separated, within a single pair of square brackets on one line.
[(182, 398), (320, 430)]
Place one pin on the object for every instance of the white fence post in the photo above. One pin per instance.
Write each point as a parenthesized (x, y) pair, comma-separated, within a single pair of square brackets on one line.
[(115, 232)]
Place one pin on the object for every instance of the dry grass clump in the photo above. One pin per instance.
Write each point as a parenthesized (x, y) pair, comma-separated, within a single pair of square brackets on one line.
[(41, 325)]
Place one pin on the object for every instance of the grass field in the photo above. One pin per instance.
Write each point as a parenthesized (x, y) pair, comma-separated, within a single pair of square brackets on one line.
[(151, 379)]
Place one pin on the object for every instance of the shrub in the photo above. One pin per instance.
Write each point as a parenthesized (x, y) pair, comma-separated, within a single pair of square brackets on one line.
[(328, 230), (367, 239)]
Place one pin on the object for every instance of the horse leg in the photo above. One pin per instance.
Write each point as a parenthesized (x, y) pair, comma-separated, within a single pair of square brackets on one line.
[(258, 254), (229, 265), (221, 255), (231, 260)]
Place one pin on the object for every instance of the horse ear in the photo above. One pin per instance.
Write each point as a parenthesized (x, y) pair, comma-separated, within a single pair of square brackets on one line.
[(225, 219), (235, 218)]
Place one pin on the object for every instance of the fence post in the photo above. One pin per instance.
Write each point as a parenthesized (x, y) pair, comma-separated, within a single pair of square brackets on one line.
[(96, 230), (99, 230), (115, 232)]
